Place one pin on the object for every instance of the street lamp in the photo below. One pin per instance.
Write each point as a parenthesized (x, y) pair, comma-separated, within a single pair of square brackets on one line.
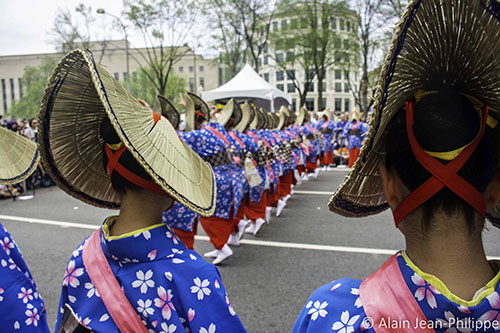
[(102, 11)]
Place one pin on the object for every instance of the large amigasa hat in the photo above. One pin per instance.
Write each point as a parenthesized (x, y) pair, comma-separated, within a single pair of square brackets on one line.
[(231, 114), (79, 95), (18, 157), (197, 111), (247, 117), (437, 44), (165, 108)]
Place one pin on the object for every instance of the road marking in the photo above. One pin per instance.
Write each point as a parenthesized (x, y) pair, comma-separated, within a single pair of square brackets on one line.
[(302, 246), (312, 192)]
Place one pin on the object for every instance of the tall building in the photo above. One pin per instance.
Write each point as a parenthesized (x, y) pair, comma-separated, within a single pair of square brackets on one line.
[(198, 72), (277, 68)]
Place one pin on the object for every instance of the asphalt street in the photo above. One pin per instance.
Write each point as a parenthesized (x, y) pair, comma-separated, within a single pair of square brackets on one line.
[(268, 281)]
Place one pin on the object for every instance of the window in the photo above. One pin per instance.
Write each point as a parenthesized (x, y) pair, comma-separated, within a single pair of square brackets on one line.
[(284, 24), (12, 94), (294, 104), (311, 87), (181, 69), (4, 95), (279, 58), (191, 84), (338, 74), (346, 75), (310, 104), (338, 104), (202, 82), (125, 76), (294, 24), (281, 86), (266, 77), (346, 58), (334, 23), (337, 43), (266, 48), (191, 69), (346, 87), (310, 75), (290, 75), (275, 25), (117, 76), (338, 86), (346, 44), (323, 103), (290, 88), (202, 68), (348, 26), (289, 56), (20, 83), (260, 62), (280, 76), (347, 105), (266, 60), (342, 25), (324, 86)]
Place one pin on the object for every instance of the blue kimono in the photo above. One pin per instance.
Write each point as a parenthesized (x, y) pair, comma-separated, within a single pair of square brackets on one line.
[(171, 287), (21, 306), (327, 126), (257, 191), (337, 307), (354, 141), (205, 144)]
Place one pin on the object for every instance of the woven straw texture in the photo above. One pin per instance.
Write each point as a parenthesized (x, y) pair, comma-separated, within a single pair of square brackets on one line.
[(78, 96), (247, 116), (436, 43), (231, 110), (18, 157)]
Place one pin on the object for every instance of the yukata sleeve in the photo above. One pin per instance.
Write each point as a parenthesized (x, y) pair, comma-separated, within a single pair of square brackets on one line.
[(207, 305), (334, 307)]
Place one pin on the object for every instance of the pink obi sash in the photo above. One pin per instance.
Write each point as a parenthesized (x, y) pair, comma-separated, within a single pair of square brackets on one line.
[(112, 295), (386, 298)]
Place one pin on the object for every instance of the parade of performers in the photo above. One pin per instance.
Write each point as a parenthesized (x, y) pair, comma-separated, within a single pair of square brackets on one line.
[(426, 150)]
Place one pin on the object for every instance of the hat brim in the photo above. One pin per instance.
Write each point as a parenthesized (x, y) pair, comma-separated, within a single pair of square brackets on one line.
[(168, 110), (247, 115), (465, 59), (18, 157), (80, 93)]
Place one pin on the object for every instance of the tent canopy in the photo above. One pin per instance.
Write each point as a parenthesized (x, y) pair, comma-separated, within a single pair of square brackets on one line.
[(247, 83)]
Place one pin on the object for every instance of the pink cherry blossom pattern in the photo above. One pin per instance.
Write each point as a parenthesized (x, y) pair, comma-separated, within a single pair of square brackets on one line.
[(71, 275), (164, 302), (425, 290), (335, 286), (494, 314), (191, 314), (152, 255), (32, 314), (7, 245), (25, 295)]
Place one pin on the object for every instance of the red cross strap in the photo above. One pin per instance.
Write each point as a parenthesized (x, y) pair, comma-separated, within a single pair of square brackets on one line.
[(219, 135), (235, 137), (442, 175), (114, 165)]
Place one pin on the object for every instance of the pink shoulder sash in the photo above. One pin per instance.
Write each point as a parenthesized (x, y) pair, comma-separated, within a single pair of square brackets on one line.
[(112, 295), (386, 297)]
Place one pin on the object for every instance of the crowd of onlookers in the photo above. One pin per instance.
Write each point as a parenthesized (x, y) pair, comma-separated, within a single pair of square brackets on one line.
[(27, 128)]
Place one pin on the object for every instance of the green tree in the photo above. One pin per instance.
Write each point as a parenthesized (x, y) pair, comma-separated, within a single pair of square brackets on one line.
[(34, 80), (166, 27), (141, 87)]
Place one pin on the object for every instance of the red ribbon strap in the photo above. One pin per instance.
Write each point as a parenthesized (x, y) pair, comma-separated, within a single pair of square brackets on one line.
[(237, 139), (442, 175), (219, 135)]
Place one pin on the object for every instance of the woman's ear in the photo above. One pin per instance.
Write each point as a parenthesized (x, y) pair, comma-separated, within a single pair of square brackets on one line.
[(492, 193), (392, 186)]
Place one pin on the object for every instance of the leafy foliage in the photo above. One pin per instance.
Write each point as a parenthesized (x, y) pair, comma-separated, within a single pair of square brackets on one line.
[(34, 81)]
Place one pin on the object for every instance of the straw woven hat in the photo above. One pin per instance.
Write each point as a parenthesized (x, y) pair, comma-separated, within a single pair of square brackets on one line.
[(18, 157), (231, 111), (436, 43), (283, 117), (193, 104), (301, 117), (164, 107), (248, 115), (80, 93)]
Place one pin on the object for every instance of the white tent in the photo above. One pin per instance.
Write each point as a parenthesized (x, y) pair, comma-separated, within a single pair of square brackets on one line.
[(247, 83)]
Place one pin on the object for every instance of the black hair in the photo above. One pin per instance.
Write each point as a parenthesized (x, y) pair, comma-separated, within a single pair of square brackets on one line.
[(443, 122), (119, 183)]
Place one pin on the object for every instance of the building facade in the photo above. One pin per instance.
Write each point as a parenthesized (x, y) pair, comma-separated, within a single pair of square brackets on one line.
[(199, 73), (340, 76)]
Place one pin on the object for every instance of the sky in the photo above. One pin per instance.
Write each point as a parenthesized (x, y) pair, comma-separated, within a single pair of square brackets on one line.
[(25, 25)]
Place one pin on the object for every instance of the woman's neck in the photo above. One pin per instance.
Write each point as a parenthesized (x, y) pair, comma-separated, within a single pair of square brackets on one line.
[(450, 252), (139, 210)]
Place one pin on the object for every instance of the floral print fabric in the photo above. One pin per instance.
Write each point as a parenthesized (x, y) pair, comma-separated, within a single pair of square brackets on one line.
[(337, 307), (172, 288), (21, 306)]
